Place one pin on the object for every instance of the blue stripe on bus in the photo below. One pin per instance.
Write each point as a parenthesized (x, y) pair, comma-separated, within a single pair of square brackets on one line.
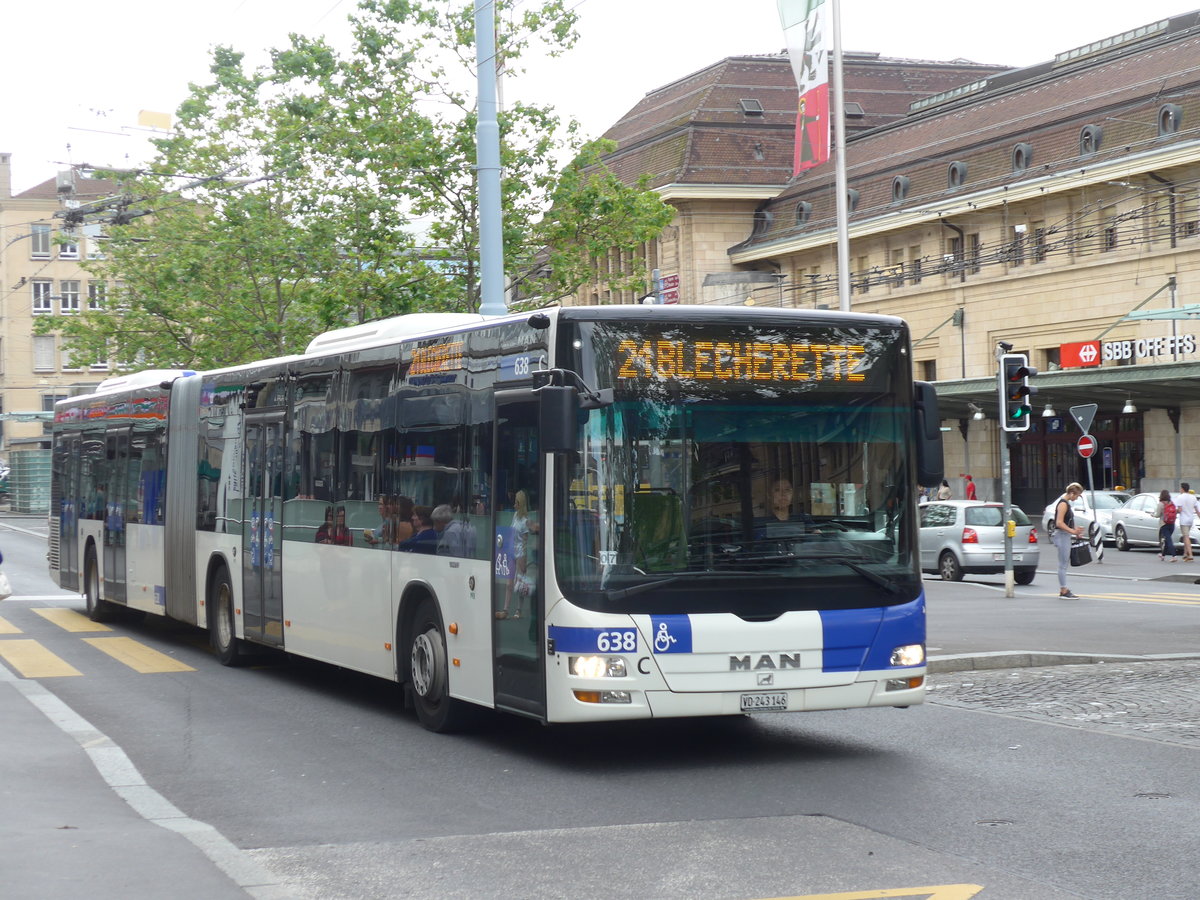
[(671, 634), (865, 638), (593, 640)]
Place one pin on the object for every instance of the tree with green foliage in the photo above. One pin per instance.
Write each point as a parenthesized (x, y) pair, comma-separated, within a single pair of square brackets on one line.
[(326, 188)]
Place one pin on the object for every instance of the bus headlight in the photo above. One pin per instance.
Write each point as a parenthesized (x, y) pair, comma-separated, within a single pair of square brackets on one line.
[(597, 666), (908, 655)]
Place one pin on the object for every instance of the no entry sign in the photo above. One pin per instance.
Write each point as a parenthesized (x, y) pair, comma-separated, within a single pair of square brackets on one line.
[(1086, 446)]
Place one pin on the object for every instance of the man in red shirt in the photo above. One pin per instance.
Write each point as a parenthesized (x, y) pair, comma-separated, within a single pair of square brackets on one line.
[(970, 488)]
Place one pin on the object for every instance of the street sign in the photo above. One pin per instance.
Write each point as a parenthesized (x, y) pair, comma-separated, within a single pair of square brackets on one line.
[(1086, 446), (1083, 416)]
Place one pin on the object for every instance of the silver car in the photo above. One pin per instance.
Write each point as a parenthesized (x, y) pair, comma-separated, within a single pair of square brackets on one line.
[(1134, 525), (1106, 503), (966, 537)]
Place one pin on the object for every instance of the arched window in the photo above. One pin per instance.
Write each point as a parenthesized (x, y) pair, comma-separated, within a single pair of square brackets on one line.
[(956, 175), (803, 212), (852, 196), (1022, 157), (1170, 119), (900, 186), (1089, 140)]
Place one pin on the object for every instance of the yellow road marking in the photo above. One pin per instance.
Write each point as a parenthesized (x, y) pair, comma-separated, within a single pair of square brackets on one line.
[(137, 656), (33, 660), (7, 627), (1147, 598), (68, 619), (935, 892)]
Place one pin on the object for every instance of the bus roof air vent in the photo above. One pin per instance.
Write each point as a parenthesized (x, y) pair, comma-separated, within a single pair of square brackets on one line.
[(385, 330)]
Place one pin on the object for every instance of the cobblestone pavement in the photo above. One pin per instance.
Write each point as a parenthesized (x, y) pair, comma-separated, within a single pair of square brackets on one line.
[(1159, 700)]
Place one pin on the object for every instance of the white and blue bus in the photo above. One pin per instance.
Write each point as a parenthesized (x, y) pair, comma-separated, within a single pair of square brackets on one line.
[(584, 514)]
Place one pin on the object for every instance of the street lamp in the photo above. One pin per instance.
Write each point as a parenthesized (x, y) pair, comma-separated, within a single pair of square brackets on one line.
[(978, 414), (1048, 412)]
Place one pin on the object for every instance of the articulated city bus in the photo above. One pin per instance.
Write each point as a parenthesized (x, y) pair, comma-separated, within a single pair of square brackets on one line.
[(583, 514)]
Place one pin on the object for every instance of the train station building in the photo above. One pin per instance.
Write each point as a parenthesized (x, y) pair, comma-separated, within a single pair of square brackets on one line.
[(1055, 208)]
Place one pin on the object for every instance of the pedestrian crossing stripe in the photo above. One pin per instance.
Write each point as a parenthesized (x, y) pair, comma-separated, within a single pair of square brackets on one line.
[(935, 892), (138, 656), (1168, 598), (32, 660), (69, 619), (7, 627)]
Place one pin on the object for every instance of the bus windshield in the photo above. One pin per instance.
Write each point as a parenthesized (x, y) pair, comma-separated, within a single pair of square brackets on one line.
[(753, 472)]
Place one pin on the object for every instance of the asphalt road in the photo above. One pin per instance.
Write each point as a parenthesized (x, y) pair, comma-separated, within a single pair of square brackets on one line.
[(1027, 784)]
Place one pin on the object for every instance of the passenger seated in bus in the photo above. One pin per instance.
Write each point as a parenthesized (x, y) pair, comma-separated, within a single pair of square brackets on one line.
[(382, 534), (456, 537), (401, 515), (325, 532), (341, 534), (782, 520), (426, 538)]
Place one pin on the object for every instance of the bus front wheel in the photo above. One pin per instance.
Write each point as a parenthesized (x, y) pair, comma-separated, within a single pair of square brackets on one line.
[(429, 674), (222, 629)]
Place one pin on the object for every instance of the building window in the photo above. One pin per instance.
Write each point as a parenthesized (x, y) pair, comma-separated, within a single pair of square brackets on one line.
[(1089, 140), (100, 365), (1170, 119), (897, 268), (852, 197), (956, 175), (1022, 157), (863, 282), (900, 186), (929, 370), (39, 245), (69, 250), (1108, 239), (49, 399), (751, 107), (974, 253), (41, 298), (69, 297), (803, 212), (1039, 242), (43, 353), (94, 235), (1016, 245), (914, 264), (97, 295)]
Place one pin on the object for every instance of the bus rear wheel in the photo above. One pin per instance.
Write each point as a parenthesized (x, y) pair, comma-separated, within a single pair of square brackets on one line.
[(222, 629), (429, 673), (98, 610)]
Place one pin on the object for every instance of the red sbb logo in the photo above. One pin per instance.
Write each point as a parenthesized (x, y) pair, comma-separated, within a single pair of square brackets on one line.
[(1080, 355)]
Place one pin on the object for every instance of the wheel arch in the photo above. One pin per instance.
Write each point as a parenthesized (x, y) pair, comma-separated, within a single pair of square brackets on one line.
[(217, 562), (410, 601)]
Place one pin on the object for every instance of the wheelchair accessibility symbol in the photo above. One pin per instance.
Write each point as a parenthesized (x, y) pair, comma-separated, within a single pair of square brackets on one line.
[(663, 639), (672, 634)]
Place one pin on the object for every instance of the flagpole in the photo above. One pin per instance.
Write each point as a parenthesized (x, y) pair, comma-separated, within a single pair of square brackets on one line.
[(837, 109)]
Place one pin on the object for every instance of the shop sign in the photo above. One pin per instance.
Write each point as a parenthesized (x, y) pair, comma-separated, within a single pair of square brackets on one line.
[(1085, 354)]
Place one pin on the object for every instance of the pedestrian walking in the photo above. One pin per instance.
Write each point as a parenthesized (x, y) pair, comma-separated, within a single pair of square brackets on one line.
[(944, 491), (970, 488), (1166, 512), (1186, 501), (1065, 530)]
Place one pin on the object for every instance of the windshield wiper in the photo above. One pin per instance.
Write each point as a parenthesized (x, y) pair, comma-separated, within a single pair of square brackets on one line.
[(873, 577), (634, 589)]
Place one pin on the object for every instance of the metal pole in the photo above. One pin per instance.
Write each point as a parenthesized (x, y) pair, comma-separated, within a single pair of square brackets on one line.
[(1005, 481), (487, 152), (837, 109)]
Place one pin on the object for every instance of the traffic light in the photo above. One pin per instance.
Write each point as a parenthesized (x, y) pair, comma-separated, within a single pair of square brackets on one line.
[(1016, 393)]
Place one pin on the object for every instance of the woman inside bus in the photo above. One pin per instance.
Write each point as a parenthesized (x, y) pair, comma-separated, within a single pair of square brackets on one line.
[(523, 582), (383, 534), (426, 538), (325, 532)]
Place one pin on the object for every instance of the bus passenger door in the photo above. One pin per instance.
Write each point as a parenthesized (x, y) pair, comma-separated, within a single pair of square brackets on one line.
[(116, 451), (262, 530), (517, 591)]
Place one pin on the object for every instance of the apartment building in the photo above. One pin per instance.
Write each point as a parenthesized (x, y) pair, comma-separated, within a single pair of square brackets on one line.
[(41, 276)]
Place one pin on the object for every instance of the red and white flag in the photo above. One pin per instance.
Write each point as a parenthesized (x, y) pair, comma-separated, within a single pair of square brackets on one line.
[(805, 24)]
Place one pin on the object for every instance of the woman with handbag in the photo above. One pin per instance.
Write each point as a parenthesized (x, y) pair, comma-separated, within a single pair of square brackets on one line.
[(1064, 532)]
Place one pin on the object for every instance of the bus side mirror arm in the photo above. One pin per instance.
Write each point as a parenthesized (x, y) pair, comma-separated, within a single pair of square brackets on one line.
[(561, 395)]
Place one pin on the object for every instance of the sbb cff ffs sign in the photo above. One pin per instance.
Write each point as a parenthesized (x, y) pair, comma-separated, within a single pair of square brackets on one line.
[(1016, 393)]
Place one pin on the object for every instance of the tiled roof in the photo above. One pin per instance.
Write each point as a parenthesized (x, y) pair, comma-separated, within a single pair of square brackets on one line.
[(85, 189), (1121, 92), (696, 131)]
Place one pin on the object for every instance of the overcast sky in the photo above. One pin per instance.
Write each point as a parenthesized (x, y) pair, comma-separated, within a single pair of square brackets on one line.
[(75, 74)]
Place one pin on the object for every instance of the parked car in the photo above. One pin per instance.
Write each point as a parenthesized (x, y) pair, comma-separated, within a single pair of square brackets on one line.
[(1106, 503), (1134, 524), (966, 537)]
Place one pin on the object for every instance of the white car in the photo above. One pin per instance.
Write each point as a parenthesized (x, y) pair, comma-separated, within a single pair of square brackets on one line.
[(1134, 525), (1106, 502)]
